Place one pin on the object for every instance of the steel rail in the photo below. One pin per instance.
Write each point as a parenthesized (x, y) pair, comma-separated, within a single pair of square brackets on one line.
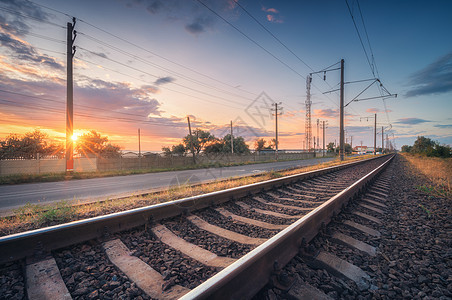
[(31, 243), (256, 267)]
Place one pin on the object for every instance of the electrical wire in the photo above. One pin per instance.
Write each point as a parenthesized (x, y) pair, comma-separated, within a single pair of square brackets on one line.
[(127, 120), (360, 39), (155, 76), (148, 51), (11, 11), (139, 47), (159, 67), (250, 39)]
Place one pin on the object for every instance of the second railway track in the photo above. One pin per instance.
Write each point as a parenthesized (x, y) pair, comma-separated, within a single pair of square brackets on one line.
[(235, 237)]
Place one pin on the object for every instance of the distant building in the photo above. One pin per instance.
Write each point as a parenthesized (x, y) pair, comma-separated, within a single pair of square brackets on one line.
[(363, 149)]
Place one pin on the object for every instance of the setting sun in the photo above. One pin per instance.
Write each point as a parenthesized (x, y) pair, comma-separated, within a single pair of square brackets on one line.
[(74, 137)]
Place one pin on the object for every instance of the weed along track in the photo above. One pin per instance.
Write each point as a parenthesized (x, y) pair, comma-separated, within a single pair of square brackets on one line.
[(226, 244)]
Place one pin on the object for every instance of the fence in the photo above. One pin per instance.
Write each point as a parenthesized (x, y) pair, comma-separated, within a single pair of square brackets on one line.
[(38, 166)]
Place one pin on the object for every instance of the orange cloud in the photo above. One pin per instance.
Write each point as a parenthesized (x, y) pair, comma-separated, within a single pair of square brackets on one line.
[(376, 110)]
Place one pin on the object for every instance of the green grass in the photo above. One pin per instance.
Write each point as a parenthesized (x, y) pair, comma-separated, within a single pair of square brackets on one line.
[(46, 215)]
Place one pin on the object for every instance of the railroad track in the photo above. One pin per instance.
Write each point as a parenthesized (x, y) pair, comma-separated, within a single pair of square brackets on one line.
[(224, 244)]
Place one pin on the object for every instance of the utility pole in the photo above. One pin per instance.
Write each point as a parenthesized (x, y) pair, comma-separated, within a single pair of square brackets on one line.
[(387, 141), (375, 135), (313, 140), (308, 128), (382, 140), (71, 35), (276, 109), (323, 138), (191, 141), (139, 143), (232, 140), (351, 141), (139, 148), (341, 126), (318, 135)]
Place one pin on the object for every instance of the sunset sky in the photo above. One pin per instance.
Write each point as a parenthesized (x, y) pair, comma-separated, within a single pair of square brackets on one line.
[(149, 64)]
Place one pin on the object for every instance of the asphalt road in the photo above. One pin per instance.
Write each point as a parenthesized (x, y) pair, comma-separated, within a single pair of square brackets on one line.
[(86, 190)]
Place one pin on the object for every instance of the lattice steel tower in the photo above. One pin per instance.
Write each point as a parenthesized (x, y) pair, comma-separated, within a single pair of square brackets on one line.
[(308, 128)]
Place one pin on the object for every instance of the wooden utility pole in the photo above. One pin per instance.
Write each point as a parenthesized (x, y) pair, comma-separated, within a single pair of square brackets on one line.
[(375, 135), (232, 140), (139, 143), (323, 122), (191, 140), (382, 140), (341, 119), (139, 148), (71, 34), (276, 109)]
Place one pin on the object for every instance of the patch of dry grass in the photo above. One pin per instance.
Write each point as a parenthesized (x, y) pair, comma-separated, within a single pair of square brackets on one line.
[(437, 170), (33, 216)]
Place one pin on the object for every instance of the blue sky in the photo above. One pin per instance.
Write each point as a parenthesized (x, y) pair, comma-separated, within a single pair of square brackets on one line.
[(149, 64)]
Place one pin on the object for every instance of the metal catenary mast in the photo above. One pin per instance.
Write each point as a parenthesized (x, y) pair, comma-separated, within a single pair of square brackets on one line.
[(308, 127)]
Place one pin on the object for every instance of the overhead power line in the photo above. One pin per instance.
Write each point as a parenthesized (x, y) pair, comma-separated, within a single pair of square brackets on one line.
[(20, 14), (269, 32), (138, 58), (96, 117), (250, 39), (157, 77), (150, 52)]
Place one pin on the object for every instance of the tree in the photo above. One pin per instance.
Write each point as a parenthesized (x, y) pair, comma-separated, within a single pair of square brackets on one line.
[(11, 147), (442, 151), (240, 146), (94, 143), (28, 146), (423, 145), (215, 147), (200, 139), (166, 151), (428, 147), (272, 144), (174, 150), (406, 148), (178, 149), (259, 144), (330, 147), (347, 148)]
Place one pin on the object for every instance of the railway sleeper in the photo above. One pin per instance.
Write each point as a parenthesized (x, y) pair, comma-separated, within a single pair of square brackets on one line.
[(324, 261)]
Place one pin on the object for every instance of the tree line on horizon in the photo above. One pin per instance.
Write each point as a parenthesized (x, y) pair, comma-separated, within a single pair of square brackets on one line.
[(205, 142), (428, 147), (32, 144)]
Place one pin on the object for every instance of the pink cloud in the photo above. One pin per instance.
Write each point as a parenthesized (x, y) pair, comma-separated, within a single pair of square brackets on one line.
[(326, 113), (273, 19), (272, 10)]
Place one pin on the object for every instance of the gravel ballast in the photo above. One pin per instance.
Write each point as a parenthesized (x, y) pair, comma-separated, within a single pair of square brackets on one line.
[(414, 253)]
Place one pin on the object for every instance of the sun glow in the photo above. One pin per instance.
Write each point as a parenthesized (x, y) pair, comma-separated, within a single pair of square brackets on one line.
[(74, 137)]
